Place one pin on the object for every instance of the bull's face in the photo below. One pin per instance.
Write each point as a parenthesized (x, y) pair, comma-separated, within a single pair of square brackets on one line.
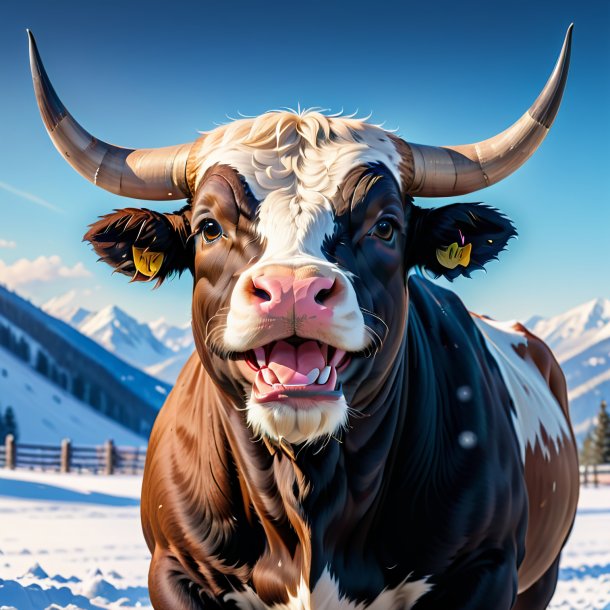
[(299, 239), (299, 232), (299, 268)]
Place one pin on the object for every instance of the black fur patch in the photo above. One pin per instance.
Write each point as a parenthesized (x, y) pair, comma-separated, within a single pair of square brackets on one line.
[(114, 235), (487, 229)]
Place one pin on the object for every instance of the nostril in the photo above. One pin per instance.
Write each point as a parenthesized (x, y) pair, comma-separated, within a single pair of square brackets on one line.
[(261, 289), (323, 295), (263, 295)]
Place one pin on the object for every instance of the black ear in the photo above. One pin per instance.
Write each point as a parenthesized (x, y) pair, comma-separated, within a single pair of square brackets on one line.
[(143, 244), (458, 239)]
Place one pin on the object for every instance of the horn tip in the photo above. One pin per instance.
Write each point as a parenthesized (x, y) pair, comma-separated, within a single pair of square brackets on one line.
[(34, 55), (569, 33)]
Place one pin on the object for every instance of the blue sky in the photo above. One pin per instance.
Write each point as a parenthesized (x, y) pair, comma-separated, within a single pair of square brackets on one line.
[(153, 74)]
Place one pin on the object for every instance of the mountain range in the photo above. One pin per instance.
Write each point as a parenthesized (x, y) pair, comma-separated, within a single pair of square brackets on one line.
[(580, 340), (157, 348), (61, 383)]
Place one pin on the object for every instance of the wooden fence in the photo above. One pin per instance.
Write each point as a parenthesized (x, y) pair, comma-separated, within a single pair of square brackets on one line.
[(595, 475), (101, 459)]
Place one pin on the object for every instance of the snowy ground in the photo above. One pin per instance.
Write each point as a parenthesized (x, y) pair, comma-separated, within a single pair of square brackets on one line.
[(74, 542), (71, 539)]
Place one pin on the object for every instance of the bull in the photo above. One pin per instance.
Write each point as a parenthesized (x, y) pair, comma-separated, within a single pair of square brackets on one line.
[(346, 435)]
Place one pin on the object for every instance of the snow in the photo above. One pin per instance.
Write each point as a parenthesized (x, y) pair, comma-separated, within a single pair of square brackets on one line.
[(47, 414), (576, 330), (584, 574), (580, 340), (76, 539), (157, 348), (139, 383), (71, 539), (174, 337)]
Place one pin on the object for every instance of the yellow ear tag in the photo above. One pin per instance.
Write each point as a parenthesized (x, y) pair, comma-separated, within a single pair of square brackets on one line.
[(147, 263), (454, 255)]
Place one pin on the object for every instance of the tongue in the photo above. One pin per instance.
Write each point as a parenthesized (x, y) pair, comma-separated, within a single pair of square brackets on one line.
[(295, 366)]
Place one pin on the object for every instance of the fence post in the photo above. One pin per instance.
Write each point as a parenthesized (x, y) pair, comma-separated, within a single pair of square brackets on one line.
[(11, 452), (109, 455), (66, 455)]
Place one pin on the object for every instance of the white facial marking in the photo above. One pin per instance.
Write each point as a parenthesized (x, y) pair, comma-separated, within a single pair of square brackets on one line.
[(534, 403), (326, 596), (294, 165), (312, 419)]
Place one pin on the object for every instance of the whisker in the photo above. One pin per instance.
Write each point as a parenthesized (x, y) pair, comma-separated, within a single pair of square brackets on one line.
[(376, 316)]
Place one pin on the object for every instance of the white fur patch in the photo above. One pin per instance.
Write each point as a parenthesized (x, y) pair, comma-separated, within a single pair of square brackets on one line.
[(536, 407), (294, 164), (298, 425), (326, 596)]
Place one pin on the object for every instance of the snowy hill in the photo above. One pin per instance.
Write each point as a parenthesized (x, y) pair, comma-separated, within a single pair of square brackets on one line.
[(158, 348), (46, 413), (580, 340), (57, 362)]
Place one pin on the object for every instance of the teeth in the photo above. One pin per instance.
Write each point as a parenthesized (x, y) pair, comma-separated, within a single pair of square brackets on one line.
[(324, 375), (312, 376), (259, 352)]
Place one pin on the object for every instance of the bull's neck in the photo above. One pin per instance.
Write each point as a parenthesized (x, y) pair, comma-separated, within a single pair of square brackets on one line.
[(353, 462), (353, 467), (325, 498)]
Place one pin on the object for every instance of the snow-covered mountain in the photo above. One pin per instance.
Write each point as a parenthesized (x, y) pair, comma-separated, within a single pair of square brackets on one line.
[(61, 383), (580, 340), (47, 413), (158, 348), (176, 338)]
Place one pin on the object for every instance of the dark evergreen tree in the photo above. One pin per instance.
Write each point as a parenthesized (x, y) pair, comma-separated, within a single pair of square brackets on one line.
[(601, 437), (23, 349), (10, 423), (3, 432), (42, 363), (78, 387), (587, 453), (4, 335)]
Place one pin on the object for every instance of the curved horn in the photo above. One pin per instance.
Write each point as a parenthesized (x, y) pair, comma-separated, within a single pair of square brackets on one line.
[(145, 173), (444, 171)]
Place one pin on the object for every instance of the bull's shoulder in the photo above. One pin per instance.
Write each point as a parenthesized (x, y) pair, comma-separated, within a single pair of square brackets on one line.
[(533, 351), (541, 355), (534, 380)]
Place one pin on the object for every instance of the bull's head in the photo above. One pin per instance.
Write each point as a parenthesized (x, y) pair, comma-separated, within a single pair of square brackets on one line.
[(299, 230)]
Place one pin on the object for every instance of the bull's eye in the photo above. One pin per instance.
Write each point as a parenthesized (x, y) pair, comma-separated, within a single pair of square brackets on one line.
[(384, 229), (211, 230)]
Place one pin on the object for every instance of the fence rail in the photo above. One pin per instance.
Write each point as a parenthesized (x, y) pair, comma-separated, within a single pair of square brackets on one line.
[(111, 459), (596, 474), (101, 459)]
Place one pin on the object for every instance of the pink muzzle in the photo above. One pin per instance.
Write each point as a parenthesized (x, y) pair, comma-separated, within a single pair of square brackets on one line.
[(280, 296)]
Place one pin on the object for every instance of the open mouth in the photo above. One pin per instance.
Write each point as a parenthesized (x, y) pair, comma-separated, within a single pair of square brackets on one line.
[(296, 368)]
